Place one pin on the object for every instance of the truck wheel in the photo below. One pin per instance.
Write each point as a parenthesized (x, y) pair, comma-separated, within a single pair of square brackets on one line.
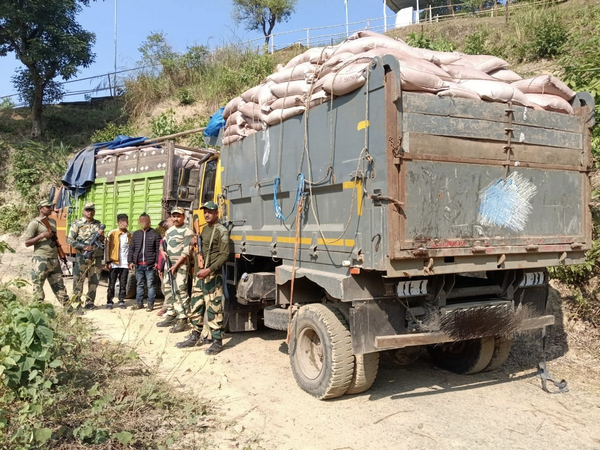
[(502, 346), (463, 357), (276, 317), (365, 372), (321, 351), (131, 285)]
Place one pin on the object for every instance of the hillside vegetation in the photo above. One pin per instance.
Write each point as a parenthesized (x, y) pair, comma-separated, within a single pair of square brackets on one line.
[(185, 88)]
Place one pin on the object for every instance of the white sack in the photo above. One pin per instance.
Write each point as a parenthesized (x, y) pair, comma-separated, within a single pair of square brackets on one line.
[(235, 119), (299, 72), (291, 88), (288, 102), (252, 110), (455, 90), (316, 55), (231, 107), (230, 139), (264, 96), (250, 94), (551, 103), (545, 84), (465, 73), (486, 63), (283, 114), (505, 75), (346, 80), (496, 91)]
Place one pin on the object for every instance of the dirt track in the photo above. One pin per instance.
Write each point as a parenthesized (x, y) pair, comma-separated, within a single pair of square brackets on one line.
[(258, 404)]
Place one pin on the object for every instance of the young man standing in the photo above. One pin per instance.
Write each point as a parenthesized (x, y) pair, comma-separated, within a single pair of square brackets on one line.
[(178, 240), (88, 261), (143, 256), (45, 254), (116, 252), (207, 294)]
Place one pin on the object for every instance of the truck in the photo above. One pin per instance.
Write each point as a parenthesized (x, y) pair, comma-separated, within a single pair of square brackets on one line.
[(386, 220)]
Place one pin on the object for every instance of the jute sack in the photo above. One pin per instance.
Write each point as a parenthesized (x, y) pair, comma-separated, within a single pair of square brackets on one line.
[(465, 73), (256, 125), (415, 64), (231, 107), (298, 72), (545, 84), (337, 59), (288, 102), (235, 130), (317, 99), (485, 63), (363, 41), (347, 80), (231, 139), (551, 102), (496, 91), (290, 88), (505, 75), (252, 110), (280, 115), (455, 90)]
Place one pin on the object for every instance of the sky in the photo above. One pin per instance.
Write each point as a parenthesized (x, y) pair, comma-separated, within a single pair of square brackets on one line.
[(189, 22)]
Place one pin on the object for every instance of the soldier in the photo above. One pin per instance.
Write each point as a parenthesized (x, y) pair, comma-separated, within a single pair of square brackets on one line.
[(178, 240), (81, 235), (116, 252), (45, 254), (207, 294)]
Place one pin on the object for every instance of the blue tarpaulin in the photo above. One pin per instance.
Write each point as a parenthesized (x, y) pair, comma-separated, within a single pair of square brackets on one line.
[(215, 123), (81, 171)]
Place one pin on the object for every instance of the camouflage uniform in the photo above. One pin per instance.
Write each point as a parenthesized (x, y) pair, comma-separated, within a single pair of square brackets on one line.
[(207, 294), (80, 235), (178, 245), (45, 264)]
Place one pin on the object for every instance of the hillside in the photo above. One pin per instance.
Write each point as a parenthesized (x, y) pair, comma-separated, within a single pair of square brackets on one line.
[(562, 39)]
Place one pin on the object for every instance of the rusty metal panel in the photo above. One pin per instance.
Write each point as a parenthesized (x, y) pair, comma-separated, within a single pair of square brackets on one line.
[(450, 202)]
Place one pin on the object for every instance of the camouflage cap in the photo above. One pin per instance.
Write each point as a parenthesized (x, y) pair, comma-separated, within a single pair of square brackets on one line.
[(178, 210), (89, 205), (210, 205), (42, 203)]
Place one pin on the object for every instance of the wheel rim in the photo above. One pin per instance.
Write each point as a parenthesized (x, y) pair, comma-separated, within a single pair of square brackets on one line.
[(454, 350), (310, 353)]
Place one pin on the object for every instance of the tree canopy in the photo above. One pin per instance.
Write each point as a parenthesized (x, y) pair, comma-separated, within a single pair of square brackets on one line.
[(46, 38), (262, 15)]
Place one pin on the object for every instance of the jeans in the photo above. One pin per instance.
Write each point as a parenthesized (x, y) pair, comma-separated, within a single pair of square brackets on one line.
[(121, 274), (145, 275)]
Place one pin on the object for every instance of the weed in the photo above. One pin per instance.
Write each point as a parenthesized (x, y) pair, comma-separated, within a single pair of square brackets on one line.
[(164, 124), (421, 41), (13, 218), (475, 43)]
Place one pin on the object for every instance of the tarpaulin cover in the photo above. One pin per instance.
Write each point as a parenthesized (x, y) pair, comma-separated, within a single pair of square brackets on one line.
[(215, 123), (81, 171)]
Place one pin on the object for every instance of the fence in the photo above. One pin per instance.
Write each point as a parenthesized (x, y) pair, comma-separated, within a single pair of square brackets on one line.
[(332, 34)]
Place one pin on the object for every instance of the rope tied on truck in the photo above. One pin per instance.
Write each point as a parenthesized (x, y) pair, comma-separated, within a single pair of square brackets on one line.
[(299, 194)]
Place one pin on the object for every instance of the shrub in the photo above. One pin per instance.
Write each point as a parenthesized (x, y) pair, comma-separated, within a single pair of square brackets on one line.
[(164, 124), (419, 40), (549, 35), (13, 218), (111, 131), (475, 43)]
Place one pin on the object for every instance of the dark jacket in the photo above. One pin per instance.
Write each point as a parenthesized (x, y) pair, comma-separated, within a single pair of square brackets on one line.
[(144, 247)]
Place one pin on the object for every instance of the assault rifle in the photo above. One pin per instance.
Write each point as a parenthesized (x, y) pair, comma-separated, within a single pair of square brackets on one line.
[(94, 242), (61, 253)]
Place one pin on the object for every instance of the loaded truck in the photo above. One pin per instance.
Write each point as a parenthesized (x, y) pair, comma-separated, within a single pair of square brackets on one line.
[(386, 220)]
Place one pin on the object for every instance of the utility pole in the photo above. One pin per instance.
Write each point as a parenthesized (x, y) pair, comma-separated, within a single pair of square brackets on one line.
[(115, 66)]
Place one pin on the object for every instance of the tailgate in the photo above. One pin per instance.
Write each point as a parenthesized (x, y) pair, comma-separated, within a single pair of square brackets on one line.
[(481, 177)]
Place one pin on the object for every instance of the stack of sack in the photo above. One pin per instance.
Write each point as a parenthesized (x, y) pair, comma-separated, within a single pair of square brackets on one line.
[(319, 74)]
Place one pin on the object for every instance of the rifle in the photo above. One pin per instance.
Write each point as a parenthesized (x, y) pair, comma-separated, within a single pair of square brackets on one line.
[(94, 242), (61, 253), (169, 274)]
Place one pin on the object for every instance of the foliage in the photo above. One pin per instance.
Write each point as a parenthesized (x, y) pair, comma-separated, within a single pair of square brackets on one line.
[(35, 163), (111, 131), (7, 103), (49, 42), (421, 41), (13, 218), (475, 43), (262, 15), (164, 124), (538, 33)]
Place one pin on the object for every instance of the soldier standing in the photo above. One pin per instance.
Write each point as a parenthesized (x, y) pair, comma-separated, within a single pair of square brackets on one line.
[(207, 294), (177, 251), (45, 254), (82, 233)]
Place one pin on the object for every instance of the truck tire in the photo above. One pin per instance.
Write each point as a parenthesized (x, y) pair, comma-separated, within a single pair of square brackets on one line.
[(276, 317), (502, 346), (321, 351), (464, 357), (131, 285), (365, 372)]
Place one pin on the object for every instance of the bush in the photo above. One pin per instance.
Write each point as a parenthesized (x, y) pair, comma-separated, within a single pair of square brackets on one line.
[(164, 124), (549, 35), (13, 218), (475, 43), (111, 131), (419, 40)]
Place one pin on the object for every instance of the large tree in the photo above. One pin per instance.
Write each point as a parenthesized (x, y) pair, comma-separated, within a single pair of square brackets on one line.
[(263, 14), (46, 38)]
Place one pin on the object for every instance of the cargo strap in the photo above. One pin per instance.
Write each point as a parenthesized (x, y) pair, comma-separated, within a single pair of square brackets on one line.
[(545, 375)]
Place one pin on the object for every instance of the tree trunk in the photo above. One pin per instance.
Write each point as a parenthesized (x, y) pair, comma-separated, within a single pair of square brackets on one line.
[(36, 112)]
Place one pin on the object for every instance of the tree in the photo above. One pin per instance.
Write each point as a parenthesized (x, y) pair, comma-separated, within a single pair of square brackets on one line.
[(45, 37), (263, 14)]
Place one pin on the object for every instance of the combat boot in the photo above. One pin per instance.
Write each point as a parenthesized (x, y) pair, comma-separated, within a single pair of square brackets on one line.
[(191, 341), (180, 326), (215, 348), (167, 322)]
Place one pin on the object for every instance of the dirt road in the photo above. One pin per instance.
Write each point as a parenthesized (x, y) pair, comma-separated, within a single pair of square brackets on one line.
[(258, 404)]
